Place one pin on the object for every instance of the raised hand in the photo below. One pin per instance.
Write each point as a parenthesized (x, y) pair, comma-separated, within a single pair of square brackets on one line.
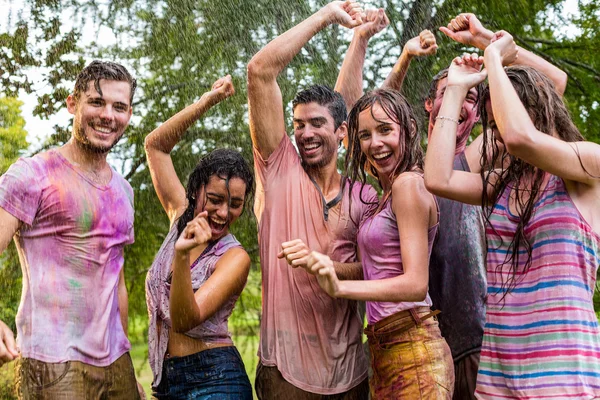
[(8, 348), (295, 252), (422, 45), (374, 21), (466, 71), (466, 29), (221, 89), (321, 266), (504, 46), (346, 13), (196, 233)]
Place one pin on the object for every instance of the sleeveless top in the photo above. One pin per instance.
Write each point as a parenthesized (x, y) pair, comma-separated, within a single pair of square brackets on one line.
[(213, 330), (379, 244), (542, 340)]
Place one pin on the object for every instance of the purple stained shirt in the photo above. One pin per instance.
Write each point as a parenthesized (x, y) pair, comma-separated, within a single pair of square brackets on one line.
[(212, 331), (71, 250)]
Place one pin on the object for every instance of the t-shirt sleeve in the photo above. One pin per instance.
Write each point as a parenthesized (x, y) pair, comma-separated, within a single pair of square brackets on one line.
[(280, 162), (20, 191)]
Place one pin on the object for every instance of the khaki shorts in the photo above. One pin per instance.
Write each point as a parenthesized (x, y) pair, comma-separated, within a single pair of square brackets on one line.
[(75, 380)]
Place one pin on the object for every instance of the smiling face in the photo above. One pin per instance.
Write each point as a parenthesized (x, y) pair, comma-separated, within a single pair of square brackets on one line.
[(215, 199), (100, 119), (379, 138), (315, 133), (468, 113)]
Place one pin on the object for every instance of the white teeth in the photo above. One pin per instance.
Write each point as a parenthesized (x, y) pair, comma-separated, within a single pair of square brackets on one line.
[(102, 129), (382, 155), (217, 222), (311, 146)]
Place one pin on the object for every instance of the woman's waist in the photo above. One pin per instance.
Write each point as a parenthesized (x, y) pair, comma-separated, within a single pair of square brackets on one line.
[(181, 344), (379, 310)]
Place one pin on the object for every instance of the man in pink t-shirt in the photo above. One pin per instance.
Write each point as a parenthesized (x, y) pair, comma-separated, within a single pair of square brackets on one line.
[(310, 344), (71, 215)]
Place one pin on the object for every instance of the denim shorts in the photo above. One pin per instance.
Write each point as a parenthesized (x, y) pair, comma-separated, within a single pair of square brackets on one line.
[(210, 374)]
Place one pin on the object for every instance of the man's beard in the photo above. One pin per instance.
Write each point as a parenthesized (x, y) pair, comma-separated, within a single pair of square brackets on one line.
[(83, 142), (328, 153)]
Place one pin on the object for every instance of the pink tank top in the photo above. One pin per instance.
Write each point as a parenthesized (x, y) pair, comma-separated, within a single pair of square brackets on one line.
[(379, 244)]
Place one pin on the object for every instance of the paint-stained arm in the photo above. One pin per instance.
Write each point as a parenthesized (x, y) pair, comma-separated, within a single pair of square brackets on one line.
[(123, 298), (189, 309), (350, 79), (161, 141), (265, 103), (422, 45), (467, 29), (574, 161)]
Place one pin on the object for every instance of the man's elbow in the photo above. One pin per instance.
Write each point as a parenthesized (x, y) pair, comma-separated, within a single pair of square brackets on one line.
[(259, 71)]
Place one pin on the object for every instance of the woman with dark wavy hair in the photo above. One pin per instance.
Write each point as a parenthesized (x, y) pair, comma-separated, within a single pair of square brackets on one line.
[(200, 269), (541, 338), (410, 359)]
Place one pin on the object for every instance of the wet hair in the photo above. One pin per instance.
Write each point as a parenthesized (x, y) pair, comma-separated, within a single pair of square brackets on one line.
[(548, 114), (324, 96), (396, 107), (224, 163), (98, 70)]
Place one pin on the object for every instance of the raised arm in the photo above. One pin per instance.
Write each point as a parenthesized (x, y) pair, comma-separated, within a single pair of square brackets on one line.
[(467, 29), (350, 79), (575, 161), (440, 177), (161, 141), (265, 104), (189, 309), (422, 45)]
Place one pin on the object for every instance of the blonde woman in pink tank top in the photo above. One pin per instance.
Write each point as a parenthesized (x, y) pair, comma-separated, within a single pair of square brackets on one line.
[(409, 357)]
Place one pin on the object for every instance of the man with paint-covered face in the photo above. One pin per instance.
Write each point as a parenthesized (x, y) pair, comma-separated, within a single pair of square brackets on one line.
[(310, 344), (457, 269), (71, 215)]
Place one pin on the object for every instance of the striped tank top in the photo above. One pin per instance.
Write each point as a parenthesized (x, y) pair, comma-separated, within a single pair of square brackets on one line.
[(542, 340)]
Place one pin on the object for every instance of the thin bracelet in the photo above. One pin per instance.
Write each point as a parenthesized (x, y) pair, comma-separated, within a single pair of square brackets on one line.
[(448, 118)]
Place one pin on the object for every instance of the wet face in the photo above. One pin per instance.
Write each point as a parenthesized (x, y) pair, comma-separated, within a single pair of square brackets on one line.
[(316, 137), (215, 199), (100, 120), (379, 138), (468, 113)]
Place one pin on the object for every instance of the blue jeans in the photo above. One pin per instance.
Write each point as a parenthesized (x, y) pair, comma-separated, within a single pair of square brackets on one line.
[(210, 374)]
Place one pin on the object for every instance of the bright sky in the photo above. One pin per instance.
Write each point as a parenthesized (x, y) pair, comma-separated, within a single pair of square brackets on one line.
[(39, 129)]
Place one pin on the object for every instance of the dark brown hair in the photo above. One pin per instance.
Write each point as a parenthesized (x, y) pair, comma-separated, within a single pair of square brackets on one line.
[(97, 70), (398, 110)]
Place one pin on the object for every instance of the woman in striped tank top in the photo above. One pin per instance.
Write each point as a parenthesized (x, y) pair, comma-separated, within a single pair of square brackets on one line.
[(541, 338)]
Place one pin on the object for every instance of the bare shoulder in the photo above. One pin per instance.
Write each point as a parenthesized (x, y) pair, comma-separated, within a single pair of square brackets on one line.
[(236, 257), (409, 189)]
